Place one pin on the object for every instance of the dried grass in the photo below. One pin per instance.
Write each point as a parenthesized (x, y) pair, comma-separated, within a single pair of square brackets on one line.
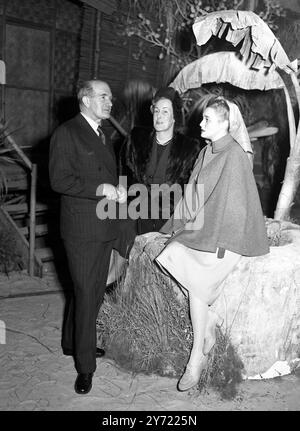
[(224, 368), (146, 329)]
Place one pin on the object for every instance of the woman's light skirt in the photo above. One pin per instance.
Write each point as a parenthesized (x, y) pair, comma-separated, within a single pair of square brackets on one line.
[(200, 272)]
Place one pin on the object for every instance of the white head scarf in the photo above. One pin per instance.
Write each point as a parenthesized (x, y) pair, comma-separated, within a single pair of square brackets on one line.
[(238, 130)]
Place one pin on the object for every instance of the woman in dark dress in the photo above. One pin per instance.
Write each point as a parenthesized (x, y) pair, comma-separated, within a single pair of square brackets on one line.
[(161, 155)]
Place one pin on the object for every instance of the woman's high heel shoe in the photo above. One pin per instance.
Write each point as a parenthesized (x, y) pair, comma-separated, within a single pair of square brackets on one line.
[(191, 376)]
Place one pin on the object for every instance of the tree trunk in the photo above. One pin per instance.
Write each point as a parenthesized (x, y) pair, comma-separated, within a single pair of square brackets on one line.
[(250, 5), (258, 308), (169, 68), (289, 186), (292, 171)]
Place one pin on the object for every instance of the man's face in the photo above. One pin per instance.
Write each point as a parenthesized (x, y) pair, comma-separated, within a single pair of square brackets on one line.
[(212, 125), (163, 118), (100, 102)]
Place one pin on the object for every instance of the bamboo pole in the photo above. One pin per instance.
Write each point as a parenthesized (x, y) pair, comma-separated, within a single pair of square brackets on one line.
[(32, 218)]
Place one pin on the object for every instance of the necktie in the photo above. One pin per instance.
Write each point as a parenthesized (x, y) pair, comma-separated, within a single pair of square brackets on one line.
[(101, 134)]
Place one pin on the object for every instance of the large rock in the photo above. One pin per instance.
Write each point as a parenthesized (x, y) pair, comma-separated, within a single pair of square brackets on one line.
[(260, 303)]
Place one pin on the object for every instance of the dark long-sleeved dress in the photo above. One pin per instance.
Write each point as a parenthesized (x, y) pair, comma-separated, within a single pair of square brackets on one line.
[(144, 161)]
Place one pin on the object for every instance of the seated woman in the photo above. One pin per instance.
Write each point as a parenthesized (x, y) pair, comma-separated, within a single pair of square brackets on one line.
[(159, 155), (208, 240)]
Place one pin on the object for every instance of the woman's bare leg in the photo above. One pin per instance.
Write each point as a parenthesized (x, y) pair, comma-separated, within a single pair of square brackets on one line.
[(197, 360), (199, 314)]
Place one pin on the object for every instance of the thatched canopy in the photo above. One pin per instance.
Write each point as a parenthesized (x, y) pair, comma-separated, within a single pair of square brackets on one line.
[(222, 67), (247, 31), (262, 52)]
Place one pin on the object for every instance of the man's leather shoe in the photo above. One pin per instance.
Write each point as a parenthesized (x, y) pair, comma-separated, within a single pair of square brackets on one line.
[(67, 352), (99, 352), (83, 383)]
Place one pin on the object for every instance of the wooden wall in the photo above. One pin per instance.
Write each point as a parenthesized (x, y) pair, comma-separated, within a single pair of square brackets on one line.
[(107, 55), (42, 43), (40, 47)]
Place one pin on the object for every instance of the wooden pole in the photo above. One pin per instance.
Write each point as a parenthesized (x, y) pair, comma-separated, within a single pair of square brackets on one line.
[(21, 153), (32, 219), (2, 88), (97, 45), (33, 170), (291, 118), (118, 126)]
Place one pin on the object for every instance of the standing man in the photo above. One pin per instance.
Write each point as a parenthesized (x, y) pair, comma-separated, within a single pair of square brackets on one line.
[(82, 158)]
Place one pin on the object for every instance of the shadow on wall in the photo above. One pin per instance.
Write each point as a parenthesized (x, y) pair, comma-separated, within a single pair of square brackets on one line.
[(65, 108)]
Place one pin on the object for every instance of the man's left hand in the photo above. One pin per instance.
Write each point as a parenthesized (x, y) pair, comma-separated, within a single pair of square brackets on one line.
[(122, 194)]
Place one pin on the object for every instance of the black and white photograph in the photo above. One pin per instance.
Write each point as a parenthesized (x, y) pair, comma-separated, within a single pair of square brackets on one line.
[(149, 210)]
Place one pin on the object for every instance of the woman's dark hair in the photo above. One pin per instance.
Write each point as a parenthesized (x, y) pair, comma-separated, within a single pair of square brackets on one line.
[(172, 95), (138, 96)]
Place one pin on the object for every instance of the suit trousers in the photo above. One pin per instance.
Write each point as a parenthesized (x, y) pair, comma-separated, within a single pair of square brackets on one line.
[(88, 265)]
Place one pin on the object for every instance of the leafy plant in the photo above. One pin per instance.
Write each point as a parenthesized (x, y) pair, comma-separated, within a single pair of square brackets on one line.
[(167, 25), (3, 186), (8, 154), (4, 150), (225, 368), (144, 328)]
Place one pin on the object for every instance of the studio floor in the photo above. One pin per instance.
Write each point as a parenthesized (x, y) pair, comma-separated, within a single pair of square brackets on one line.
[(36, 376)]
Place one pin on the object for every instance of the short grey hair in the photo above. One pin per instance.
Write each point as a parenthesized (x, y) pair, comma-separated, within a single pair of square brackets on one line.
[(87, 89)]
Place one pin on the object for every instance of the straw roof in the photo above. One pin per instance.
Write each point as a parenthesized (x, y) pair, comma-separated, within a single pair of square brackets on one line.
[(225, 66), (255, 40)]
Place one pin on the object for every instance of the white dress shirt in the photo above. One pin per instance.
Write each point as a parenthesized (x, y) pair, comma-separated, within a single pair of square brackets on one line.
[(92, 123)]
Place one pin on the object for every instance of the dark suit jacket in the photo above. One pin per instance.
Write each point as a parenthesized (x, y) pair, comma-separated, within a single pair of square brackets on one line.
[(79, 163)]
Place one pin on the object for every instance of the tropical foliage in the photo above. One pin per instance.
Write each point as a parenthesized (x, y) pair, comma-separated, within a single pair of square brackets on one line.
[(167, 24)]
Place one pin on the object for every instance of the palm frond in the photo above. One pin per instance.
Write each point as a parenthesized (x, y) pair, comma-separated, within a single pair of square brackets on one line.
[(249, 33)]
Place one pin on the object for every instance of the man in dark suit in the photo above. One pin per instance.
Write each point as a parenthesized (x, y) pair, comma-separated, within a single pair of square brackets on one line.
[(82, 158)]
